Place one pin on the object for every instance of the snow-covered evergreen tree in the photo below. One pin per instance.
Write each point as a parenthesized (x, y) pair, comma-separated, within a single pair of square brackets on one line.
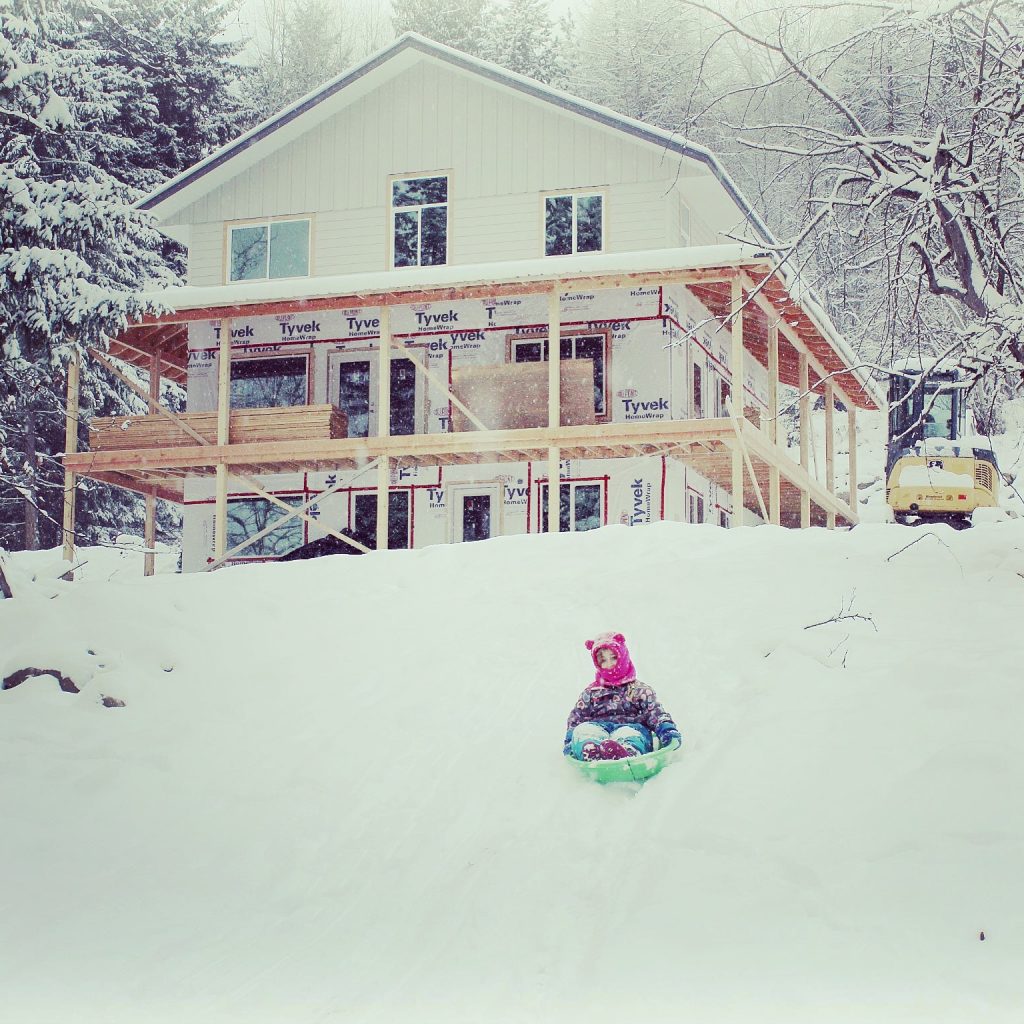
[(185, 104), (73, 251), (519, 35)]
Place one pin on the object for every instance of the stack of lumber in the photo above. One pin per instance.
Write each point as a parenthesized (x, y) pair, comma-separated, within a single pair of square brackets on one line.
[(514, 396), (248, 426)]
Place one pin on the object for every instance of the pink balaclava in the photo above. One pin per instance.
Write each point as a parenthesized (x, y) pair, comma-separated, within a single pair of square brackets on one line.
[(622, 671)]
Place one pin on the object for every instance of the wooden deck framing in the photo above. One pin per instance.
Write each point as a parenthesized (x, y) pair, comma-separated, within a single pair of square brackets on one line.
[(709, 445), (733, 452)]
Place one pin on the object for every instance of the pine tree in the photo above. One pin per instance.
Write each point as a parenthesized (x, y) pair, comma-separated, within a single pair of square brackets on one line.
[(456, 23), (520, 36), (184, 104), (73, 251)]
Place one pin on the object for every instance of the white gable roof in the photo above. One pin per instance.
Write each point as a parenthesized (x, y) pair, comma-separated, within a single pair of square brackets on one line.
[(297, 119)]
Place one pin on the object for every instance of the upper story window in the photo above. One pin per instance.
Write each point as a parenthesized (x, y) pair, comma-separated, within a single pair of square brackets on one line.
[(419, 218), (573, 223), (276, 248)]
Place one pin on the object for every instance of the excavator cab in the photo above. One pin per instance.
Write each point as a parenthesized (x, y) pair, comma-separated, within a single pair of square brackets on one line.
[(925, 406)]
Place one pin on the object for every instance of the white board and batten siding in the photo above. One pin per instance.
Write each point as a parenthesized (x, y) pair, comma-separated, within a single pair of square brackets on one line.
[(502, 150)]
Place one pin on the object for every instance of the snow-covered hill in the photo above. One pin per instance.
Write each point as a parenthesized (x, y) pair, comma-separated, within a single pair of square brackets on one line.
[(336, 792)]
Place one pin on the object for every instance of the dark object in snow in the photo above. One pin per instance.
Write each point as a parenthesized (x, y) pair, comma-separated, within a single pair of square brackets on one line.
[(319, 548), (112, 702), (5, 587), (66, 683), (981, 935)]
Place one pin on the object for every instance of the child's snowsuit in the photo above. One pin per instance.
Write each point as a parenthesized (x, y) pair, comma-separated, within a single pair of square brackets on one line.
[(617, 706)]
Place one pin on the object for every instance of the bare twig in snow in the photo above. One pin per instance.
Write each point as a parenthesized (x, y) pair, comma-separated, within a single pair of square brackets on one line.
[(845, 614), (918, 540)]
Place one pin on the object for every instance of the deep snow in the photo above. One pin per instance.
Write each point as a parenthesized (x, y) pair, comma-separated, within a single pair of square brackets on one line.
[(336, 790)]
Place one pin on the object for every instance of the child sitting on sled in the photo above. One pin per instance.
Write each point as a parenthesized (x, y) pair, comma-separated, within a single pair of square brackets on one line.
[(616, 715)]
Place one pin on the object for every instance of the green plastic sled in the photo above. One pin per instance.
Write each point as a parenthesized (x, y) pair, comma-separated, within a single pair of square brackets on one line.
[(628, 769)]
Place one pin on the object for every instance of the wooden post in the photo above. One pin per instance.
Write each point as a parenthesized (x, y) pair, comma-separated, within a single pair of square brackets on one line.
[(554, 489), (851, 412), (773, 384), (774, 480), (736, 379), (383, 425), (70, 448), (554, 361), (220, 533), (737, 426), (383, 485), (149, 538), (805, 437), (554, 406), (830, 450)]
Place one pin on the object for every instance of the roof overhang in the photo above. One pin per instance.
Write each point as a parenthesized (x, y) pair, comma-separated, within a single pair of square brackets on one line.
[(707, 271)]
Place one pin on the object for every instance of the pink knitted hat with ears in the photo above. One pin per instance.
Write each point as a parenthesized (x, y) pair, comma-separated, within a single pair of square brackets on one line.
[(622, 671)]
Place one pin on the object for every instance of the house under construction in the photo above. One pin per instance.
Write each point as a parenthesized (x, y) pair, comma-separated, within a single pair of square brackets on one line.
[(375, 279)]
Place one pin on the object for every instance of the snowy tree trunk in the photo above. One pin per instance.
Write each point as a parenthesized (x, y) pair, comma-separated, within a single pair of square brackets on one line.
[(5, 587), (31, 488)]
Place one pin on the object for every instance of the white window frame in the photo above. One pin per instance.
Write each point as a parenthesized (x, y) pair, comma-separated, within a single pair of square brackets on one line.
[(250, 553), (542, 486), (574, 194), (372, 356), (456, 492), (723, 392), (370, 495), (392, 209), (266, 222), (696, 504), (516, 340), (698, 366)]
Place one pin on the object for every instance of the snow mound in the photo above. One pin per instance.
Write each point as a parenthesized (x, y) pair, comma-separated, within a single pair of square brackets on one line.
[(335, 789)]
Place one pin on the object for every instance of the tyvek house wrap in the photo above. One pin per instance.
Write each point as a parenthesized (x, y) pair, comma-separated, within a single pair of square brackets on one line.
[(656, 337)]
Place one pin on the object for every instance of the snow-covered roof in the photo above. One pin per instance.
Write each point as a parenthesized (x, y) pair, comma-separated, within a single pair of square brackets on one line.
[(419, 279), (337, 93), (232, 299)]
